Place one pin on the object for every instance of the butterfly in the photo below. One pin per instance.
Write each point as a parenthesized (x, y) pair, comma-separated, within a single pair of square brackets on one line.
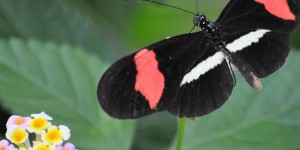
[(190, 75)]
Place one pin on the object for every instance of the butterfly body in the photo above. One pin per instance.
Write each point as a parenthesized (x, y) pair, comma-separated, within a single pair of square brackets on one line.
[(213, 33), (189, 75), (209, 28)]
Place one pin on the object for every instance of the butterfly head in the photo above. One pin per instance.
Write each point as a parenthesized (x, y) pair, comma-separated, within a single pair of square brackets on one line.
[(201, 21)]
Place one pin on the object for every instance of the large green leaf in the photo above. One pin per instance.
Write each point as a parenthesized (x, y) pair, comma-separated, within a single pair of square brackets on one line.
[(61, 81), (264, 120), (77, 22), (112, 17)]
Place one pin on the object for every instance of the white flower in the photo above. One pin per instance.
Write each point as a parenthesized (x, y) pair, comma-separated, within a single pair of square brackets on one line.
[(17, 120)]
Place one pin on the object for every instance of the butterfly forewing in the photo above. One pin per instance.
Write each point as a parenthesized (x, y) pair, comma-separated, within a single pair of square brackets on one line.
[(241, 15), (149, 79)]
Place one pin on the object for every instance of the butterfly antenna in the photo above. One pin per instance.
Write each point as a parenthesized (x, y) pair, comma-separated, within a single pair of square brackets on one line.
[(170, 6), (197, 6), (192, 29)]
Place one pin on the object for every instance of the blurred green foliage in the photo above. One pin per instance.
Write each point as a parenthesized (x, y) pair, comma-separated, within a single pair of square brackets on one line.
[(53, 52)]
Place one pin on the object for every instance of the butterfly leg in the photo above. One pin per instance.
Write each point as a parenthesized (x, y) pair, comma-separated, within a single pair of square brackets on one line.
[(243, 68), (232, 73)]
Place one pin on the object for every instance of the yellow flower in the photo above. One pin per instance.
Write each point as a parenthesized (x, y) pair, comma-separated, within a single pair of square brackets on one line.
[(44, 135), (55, 135), (43, 146), (16, 134), (39, 123)]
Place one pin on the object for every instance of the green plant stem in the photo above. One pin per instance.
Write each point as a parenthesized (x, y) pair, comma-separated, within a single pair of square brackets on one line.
[(180, 132)]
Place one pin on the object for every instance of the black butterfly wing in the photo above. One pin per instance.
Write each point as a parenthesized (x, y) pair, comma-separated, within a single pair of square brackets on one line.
[(267, 55), (269, 48), (122, 95), (150, 79), (207, 92), (239, 15)]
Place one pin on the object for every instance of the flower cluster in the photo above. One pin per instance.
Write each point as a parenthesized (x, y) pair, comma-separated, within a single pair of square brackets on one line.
[(46, 136)]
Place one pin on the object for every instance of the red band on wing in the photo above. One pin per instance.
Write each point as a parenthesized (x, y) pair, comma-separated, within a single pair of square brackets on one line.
[(149, 80), (279, 8)]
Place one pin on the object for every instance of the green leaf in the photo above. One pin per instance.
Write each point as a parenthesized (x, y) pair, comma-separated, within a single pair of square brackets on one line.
[(62, 81), (80, 23), (264, 120)]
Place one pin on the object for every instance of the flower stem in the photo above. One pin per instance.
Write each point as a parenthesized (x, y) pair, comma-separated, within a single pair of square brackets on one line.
[(180, 132), (38, 137), (21, 145)]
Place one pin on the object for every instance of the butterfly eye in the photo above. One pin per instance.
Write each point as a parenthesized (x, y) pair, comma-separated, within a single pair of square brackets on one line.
[(200, 20), (196, 20)]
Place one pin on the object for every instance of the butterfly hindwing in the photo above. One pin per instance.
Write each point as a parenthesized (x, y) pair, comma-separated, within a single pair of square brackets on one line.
[(268, 24), (207, 90), (266, 55)]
